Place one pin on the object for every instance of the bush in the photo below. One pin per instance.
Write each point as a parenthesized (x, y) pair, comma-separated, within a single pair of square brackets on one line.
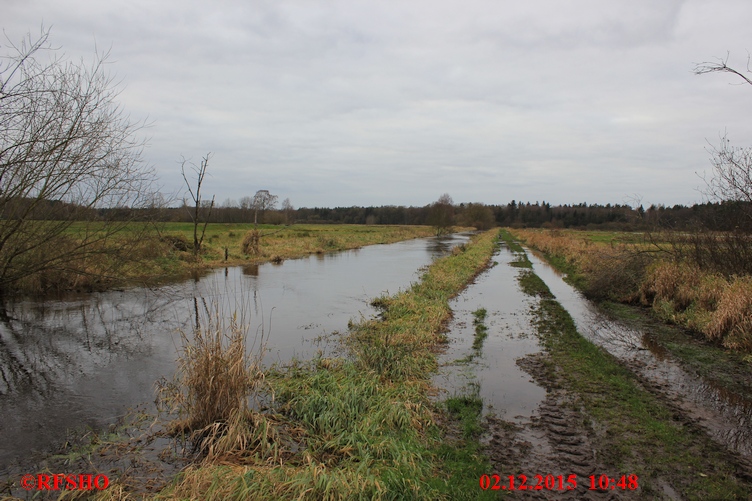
[(211, 391), (615, 274)]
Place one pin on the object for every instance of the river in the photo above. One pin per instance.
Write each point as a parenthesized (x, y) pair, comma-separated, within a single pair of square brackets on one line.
[(84, 360)]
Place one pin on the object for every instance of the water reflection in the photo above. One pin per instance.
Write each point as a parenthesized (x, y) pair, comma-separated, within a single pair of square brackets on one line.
[(85, 359), (251, 270)]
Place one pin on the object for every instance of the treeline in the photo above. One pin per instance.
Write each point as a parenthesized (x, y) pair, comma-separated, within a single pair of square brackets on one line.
[(726, 216)]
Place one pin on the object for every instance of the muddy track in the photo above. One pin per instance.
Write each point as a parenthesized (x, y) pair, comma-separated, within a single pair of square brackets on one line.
[(557, 440), (560, 439)]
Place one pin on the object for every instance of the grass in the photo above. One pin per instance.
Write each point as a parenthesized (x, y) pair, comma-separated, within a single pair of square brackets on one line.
[(521, 260), (462, 454), (363, 426), (146, 253), (481, 331)]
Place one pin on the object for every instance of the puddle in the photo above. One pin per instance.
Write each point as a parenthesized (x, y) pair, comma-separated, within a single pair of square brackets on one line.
[(726, 416), (507, 391)]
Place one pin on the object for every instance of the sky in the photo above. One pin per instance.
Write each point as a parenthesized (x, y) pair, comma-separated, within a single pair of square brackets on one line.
[(341, 103)]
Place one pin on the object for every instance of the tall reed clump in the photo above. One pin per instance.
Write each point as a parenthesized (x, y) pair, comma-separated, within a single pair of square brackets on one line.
[(250, 246), (215, 380)]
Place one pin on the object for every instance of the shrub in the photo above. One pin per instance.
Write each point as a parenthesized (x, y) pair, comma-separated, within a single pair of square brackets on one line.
[(615, 274)]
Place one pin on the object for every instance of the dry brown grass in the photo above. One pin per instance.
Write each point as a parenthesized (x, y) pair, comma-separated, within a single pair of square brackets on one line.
[(216, 379), (250, 244), (704, 301), (732, 320), (556, 243), (612, 271), (678, 290)]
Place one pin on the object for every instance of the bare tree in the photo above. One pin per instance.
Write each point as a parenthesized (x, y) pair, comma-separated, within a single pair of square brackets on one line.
[(730, 184), (263, 201), (202, 209), (67, 151), (731, 179), (288, 210), (246, 203), (720, 65)]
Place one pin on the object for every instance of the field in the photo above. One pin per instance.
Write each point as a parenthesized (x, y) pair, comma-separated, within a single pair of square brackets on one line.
[(286, 242), (148, 254)]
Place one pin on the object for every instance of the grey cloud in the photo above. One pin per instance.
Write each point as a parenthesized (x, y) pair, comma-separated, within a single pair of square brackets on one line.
[(361, 102)]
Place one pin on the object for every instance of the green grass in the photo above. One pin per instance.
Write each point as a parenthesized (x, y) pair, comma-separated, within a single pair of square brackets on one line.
[(481, 331), (462, 456), (521, 260), (607, 237)]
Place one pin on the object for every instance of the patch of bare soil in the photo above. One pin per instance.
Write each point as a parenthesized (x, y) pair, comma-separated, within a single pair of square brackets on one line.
[(137, 456)]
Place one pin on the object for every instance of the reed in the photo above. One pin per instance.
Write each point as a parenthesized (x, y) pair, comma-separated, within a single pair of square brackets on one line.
[(217, 377)]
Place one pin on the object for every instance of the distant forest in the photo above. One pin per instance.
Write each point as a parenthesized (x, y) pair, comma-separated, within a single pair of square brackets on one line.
[(726, 216)]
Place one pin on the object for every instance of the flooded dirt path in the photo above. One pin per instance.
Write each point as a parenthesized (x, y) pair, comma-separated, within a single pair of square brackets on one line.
[(491, 369), (532, 428), (538, 428), (726, 416)]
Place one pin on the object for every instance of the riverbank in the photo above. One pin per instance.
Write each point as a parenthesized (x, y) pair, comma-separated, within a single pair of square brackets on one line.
[(141, 254)]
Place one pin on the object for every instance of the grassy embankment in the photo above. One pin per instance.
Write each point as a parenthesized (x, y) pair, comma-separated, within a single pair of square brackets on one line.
[(636, 433), (152, 253), (360, 427), (702, 318)]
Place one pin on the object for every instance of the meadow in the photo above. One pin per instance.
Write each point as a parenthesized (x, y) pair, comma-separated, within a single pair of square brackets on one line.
[(140, 253)]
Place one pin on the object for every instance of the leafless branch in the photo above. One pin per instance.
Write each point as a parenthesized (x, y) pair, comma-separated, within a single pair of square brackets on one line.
[(721, 66)]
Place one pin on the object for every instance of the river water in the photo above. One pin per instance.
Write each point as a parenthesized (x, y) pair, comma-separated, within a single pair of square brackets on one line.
[(85, 360)]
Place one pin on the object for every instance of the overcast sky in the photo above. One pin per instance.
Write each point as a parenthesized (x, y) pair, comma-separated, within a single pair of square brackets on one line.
[(384, 102)]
